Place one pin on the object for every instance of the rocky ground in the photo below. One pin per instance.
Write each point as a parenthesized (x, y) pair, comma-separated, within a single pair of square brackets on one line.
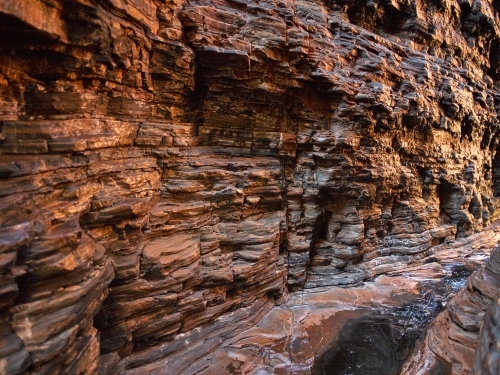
[(380, 326), (164, 163)]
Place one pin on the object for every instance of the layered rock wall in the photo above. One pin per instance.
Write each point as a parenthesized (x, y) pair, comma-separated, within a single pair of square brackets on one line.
[(166, 162), (487, 358), (454, 343)]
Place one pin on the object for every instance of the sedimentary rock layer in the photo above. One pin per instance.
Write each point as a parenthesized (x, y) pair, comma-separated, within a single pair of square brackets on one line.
[(166, 162), (450, 345), (370, 327), (487, 360)]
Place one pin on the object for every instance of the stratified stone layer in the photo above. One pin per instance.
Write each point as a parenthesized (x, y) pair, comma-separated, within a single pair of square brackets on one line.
[(455, 334), (487, 360), (163, 163)]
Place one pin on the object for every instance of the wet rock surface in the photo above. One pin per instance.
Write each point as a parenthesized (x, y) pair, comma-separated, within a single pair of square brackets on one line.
[(368, 346), (382, 342), (372, 328), (454, 339), (168, 168)]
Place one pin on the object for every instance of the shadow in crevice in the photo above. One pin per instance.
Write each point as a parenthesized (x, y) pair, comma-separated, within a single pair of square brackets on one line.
[(380, 343), (368, 346)]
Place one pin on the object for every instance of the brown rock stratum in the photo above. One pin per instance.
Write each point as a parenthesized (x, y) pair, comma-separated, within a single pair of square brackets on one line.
[(454, 336), (169, 169)]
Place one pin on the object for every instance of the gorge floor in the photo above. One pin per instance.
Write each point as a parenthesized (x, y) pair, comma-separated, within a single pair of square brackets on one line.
[(371, 328)]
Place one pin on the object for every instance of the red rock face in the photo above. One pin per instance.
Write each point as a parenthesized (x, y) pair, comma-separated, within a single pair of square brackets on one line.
[(165, 162), (488, 348), (454, 339)]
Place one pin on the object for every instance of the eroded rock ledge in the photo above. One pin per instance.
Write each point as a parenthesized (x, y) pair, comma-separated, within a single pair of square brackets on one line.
[(454, 336), (166, 162)]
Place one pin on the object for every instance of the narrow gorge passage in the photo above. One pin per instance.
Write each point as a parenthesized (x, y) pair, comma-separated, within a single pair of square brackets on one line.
[(239, 186)]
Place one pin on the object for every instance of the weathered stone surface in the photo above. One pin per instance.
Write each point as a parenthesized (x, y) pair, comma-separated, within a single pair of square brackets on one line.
[(488, 351), (362, 329), (166, 163), (452, 340)]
